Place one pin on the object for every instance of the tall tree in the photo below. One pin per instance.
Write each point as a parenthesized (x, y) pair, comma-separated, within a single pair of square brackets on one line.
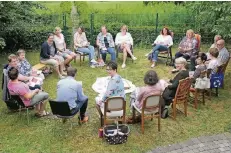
[(212, 17)]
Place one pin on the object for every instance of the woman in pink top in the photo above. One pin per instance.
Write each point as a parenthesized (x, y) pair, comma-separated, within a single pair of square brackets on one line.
[(153, 86), (29, 98)]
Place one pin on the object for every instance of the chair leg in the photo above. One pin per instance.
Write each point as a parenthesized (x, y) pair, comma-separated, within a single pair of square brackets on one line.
[(185, 108), (196, 99), (217, 92), (101, 120), (152, 116), (159, 123), (104, 120), (80, 59), (174, 110), (210, 93), (27, 114), (142, 123), (133, 114), (83, 57), (203, 96), (101, 116)]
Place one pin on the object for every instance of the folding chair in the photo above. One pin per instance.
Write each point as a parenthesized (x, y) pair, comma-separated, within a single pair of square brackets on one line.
[(114, 109), (151, 109), (22, 106), (62, 110), (81, 56), (169, 59), (181, 96)]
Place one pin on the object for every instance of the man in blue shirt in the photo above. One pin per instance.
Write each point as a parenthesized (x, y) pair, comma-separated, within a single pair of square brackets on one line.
[(70, 90)]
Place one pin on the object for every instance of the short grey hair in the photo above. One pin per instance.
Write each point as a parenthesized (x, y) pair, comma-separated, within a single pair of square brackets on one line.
[(181, 60), (20, 51)]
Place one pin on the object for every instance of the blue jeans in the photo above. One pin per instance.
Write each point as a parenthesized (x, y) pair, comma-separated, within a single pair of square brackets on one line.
[(156, 50), (111, 51), (82, 106), (179, 54), (90, 50)]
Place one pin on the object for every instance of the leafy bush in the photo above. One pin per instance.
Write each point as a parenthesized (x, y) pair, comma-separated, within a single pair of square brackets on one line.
[(2, 43)]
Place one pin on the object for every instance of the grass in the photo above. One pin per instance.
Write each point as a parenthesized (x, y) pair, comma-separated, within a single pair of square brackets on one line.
[(50, 135)]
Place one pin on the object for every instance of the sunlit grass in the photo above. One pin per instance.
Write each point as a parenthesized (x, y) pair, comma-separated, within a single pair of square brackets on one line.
[(50, 135)]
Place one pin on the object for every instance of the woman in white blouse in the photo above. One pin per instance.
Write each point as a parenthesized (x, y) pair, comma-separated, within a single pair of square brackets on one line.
[(162, 43), (82, 45), (60, 44), (124, 42)]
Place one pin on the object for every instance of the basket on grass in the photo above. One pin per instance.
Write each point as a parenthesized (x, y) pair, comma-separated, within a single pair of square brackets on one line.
[(116, 134)]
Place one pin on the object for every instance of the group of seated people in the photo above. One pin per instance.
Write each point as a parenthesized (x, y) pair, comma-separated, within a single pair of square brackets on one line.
[(54, 52), (188, 48), (106, 44)]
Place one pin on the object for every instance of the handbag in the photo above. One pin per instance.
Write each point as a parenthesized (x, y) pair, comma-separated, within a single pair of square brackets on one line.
[(216, 80), (202, 83), (116, 134)]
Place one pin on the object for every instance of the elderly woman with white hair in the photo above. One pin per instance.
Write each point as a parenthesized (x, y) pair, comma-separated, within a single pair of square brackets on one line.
[(170, 90), (216, 38), (187, 48)]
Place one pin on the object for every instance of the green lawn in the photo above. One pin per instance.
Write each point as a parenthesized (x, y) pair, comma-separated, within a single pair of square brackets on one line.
[(50, 135)]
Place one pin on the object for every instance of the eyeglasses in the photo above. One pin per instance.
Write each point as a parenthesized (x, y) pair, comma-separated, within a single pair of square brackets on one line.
[(219, 44), (108, 69)]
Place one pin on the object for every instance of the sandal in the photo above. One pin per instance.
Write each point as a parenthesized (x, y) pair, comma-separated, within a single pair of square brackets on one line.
[(42, 115)]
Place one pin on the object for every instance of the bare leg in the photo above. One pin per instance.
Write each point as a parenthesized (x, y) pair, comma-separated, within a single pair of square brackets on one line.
[(42, 107), (153, 64), (57, 70), (61, 66), (37, 108), (128, 49), (68, 60), (124, 55)]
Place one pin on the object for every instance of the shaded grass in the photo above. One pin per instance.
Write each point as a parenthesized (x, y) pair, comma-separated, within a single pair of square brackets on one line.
[(50, 135)]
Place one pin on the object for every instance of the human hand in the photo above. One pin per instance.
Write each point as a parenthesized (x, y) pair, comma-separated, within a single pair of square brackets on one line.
[(36, 91)]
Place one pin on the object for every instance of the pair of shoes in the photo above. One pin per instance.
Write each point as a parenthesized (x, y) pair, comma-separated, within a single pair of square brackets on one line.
[(61, 77), (93, 61), (123, 66), (92, 66), (153, 65), (84, 120), (134, 58), (42, 114)]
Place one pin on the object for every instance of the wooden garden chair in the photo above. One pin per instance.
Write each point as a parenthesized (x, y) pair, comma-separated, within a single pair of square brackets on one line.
[(200, 92), (151, 109), (181, 96), (114, 109)]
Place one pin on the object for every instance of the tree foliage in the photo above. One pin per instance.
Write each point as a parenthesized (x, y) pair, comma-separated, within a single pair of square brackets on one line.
[(66, 6), (212, 17), (21, 26)]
